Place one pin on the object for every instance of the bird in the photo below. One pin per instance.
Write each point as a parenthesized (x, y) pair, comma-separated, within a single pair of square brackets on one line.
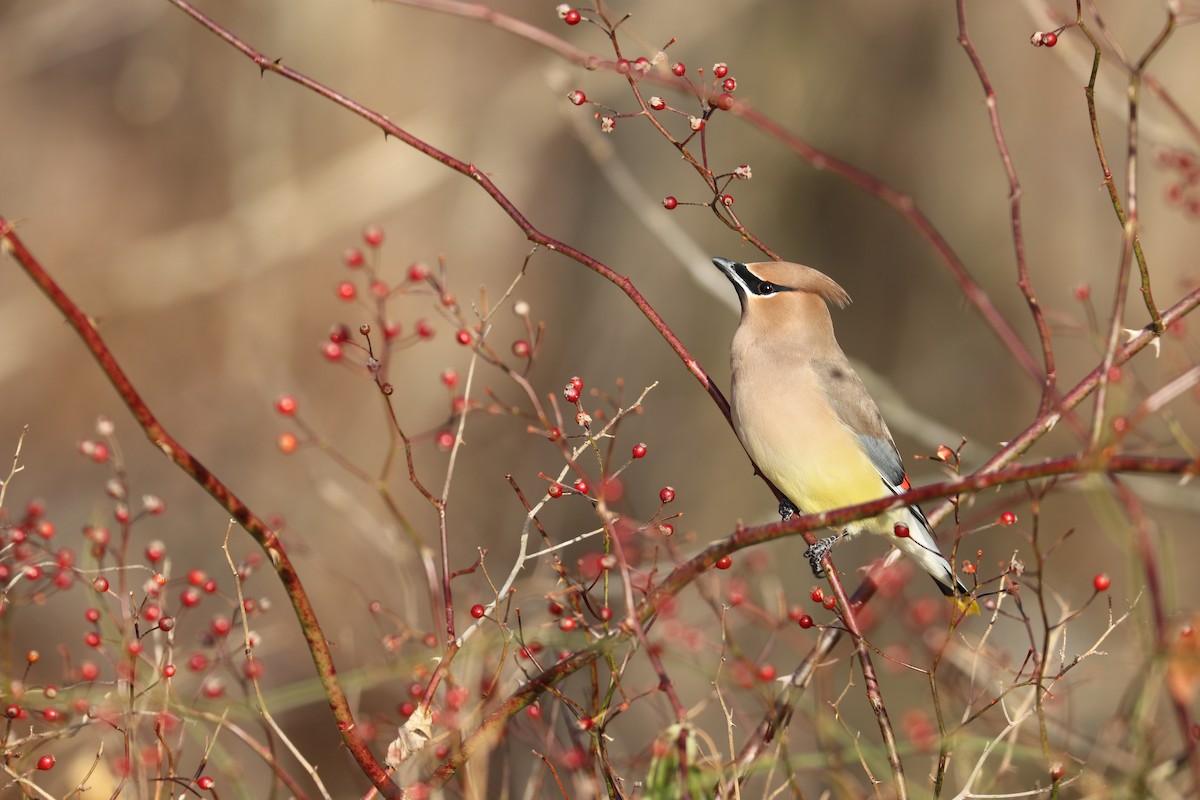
[(807, 421)]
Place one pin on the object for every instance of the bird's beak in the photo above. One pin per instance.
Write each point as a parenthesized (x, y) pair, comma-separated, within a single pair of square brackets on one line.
[(726, 266)]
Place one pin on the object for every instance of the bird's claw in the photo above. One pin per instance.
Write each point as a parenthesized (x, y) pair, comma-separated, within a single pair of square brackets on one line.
[(787, 510), (816, 554)]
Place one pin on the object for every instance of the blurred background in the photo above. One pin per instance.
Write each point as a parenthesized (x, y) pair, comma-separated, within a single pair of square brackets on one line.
[(200, 212)]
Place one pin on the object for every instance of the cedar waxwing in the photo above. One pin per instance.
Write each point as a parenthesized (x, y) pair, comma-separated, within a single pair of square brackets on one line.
[(806, 419)]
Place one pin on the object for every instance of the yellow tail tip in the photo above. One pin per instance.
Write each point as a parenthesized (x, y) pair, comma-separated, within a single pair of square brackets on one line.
[(965, 604)]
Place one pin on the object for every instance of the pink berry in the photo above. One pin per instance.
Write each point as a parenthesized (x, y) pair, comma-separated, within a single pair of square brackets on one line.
[(670, 203), (445, 441), (577, 97), (417, 272), (346, 291), (424, 329), (1101, 582), (373, 235), (353, 258), (92, 615), (623, 66), (724, 562), (572, 17), (666, 495), (639, 450), (463, 337)]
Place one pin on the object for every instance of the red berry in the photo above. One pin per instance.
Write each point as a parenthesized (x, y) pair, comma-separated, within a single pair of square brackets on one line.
[(1057, 771), (424, 329), (901, 530), (720, 70), (91, 639), (286, 405), (156, 551), (100, 584), (198, 662), (726, 200), (605, 613), (92, 615), (46, 762), (805, 621), (670, 203), (205, 783), (332, 351), (554, 490), (373, 235), (572, 17), (586, 723), (581, 486), (477, 611), (666, 529), (1050, 39), (287, 443), (169, 671), (88, 671), (679, 69), (729, 84), (723, 101), (166, 623), (623, 66), (521, 348), (666, 494), (1083, 292), (353, 258), (1101, 582), (724, 562), (554, 434), (571, 393), (346, 291), (577, 382), (766, 672), (220, 627), (1007, 518), (189, 598), (567, 624), (445, 441), (577, 97), (817, 594), (639, 450), (829, 602), (463, 337), (657, 103)]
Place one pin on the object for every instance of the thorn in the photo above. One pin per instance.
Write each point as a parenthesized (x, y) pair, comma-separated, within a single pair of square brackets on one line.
[(1131, 334)]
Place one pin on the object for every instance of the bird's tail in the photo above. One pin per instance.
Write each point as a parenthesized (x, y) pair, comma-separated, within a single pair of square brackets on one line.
[(960, 595)]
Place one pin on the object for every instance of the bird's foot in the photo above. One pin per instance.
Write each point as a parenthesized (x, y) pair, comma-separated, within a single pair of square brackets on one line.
[(787, 510), (816, 554)]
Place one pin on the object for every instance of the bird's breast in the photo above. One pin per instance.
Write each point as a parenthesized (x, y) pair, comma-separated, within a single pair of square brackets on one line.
[(798, 441)]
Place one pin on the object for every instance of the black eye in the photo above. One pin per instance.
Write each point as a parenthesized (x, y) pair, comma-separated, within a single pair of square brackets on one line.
[(767, 288)]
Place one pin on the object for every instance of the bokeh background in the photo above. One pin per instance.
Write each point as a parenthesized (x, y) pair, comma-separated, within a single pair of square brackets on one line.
[(199, 212)]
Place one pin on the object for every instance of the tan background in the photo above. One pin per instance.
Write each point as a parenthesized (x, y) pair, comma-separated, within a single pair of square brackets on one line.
[(200, 213)]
